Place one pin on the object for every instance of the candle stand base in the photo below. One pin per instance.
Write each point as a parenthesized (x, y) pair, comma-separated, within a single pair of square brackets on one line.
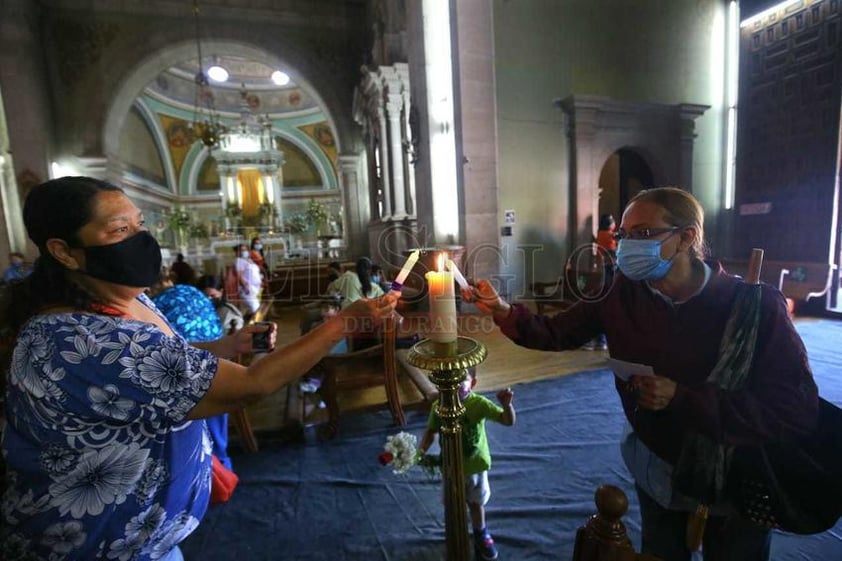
[(447, 363)]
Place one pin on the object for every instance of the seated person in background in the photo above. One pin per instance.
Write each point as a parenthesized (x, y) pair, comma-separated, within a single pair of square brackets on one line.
[(334, 270), (229, 315), (182, 271), (192, 315), (249, 279), (378, 277), (17, 268), (353, 285)]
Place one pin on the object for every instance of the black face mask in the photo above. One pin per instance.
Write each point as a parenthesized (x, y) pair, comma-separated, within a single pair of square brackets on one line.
[(135, 261)]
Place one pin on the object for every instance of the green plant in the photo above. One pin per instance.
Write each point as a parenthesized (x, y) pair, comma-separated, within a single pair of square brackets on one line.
[(266, 209), (233, 210), (297, 223), (178, 220), (316, 213), (199, 231)]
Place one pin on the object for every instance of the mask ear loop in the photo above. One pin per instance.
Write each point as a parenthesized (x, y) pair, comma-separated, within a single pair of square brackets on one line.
[(678, 247)]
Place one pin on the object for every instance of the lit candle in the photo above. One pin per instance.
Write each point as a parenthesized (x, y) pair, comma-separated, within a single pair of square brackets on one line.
[(397, 284), (451, 266), (442, 304)]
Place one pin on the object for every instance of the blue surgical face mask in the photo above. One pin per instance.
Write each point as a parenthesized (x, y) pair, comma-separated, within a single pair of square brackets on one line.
[(641, 260), (244, 254), (258, 246)]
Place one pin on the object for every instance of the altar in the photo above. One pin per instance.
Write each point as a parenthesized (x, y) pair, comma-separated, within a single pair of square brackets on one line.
[(280, 250)]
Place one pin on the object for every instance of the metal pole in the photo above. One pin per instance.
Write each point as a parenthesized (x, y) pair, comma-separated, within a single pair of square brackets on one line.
[(447, 369)]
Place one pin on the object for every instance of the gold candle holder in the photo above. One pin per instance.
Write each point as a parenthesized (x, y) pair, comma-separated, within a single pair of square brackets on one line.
[(447, 363)]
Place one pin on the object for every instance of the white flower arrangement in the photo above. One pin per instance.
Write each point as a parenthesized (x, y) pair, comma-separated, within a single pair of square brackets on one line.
[(401, 452), (403, 449)]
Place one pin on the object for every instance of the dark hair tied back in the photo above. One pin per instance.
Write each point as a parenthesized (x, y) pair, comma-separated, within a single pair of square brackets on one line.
[(55, 209)]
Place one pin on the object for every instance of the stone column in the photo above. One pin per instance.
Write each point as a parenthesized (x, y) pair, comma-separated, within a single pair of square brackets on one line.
[(688, 113), (385, 160), (229, 197), (357, 212), (580, 129), (276, 194), (394, 104), (402, 70)]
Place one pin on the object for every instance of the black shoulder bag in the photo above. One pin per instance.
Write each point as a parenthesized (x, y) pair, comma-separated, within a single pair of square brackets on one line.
[(793, 486)]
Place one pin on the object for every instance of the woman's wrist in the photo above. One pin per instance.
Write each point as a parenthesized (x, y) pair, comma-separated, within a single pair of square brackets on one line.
[(502, 310)]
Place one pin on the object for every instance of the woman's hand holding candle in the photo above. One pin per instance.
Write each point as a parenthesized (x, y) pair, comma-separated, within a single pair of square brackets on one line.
[(397, 284), (483, 295), (457, 274)]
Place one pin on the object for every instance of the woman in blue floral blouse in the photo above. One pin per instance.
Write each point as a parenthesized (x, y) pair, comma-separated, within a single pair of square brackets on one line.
[(106, 449)]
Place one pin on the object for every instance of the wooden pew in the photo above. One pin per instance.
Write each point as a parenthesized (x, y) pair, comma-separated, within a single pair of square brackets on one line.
[(799, 281)]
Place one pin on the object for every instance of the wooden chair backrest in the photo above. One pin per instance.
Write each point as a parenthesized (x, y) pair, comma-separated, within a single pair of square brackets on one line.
[(371, 366)]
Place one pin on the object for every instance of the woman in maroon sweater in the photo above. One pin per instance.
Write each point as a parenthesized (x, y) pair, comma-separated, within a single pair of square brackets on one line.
[(668, 309)]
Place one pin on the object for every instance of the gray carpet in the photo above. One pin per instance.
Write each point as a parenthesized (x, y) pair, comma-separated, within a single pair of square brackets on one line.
[(333, 500)]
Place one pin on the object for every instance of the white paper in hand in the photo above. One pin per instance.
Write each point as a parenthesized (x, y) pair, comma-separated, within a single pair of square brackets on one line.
[(625, 370)]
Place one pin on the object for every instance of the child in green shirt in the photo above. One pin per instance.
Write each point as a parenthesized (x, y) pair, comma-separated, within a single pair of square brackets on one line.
[(475, 452)]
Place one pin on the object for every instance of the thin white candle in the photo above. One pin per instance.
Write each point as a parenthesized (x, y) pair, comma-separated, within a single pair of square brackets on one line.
[(457, 274), (397, 284), (442, 304)]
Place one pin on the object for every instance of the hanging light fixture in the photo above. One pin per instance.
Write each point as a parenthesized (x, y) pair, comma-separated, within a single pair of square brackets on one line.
[(206, 123)]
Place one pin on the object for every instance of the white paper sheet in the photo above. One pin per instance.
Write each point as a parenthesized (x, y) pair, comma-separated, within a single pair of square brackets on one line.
[(625, 370)]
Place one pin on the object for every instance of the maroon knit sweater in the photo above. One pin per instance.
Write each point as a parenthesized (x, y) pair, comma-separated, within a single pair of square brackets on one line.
[(681, 342)]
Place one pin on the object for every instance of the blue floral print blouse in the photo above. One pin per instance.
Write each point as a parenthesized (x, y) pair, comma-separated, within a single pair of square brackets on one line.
[(101, 461)]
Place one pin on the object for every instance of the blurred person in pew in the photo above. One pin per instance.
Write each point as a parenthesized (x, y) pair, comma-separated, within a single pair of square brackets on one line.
[(356, 284), (668, 309), (104, 454), (17, 269), (229, 315), (182, 271)]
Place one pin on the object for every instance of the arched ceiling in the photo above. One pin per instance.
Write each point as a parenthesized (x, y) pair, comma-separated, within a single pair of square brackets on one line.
[(176, 87), (167, 104)]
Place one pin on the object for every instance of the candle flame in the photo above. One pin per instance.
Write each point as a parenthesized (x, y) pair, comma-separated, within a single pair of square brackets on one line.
[(441, 260)]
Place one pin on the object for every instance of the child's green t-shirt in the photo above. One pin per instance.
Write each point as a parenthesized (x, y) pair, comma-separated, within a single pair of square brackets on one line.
[(478, 408)]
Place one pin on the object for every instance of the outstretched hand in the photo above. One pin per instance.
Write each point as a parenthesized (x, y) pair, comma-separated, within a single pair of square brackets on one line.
[(366, 313), (483, 295), (243, 340)]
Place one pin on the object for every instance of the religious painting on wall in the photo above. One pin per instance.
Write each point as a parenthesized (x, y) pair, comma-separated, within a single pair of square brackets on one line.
[(180, 137), (321, 133)]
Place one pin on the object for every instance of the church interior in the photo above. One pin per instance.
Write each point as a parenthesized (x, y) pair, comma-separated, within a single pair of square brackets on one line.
[(499, 131)]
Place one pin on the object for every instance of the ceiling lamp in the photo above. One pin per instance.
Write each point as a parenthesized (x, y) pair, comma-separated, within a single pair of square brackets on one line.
[(217, 73), (206, 123), (280, 78)]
